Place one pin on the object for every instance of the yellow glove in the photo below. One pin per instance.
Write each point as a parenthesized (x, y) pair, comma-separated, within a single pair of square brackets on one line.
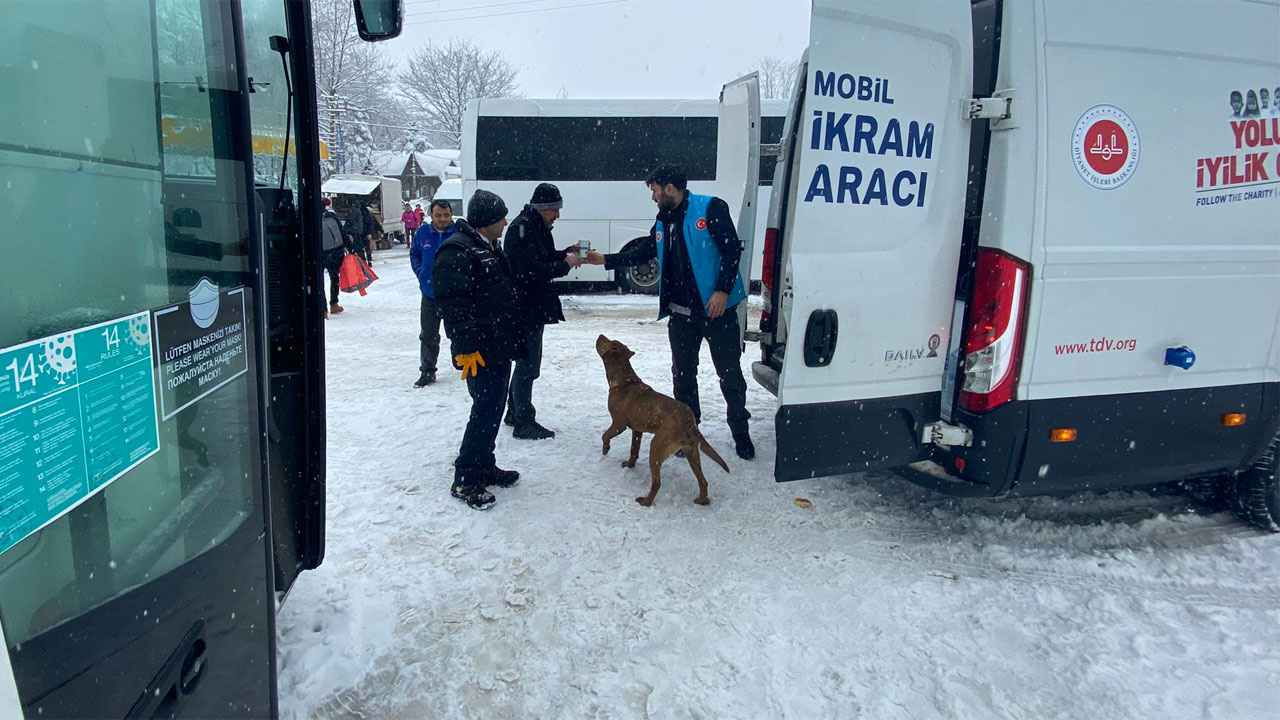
[(468, 363)]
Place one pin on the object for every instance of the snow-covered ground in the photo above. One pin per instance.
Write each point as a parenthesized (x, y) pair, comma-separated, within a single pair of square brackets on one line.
[(882, 600)]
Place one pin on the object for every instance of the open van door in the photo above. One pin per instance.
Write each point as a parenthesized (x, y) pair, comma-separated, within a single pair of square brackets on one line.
[(870, 233), (738, 168)]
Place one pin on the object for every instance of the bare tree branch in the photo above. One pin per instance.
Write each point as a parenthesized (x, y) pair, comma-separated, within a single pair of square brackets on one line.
[(776, 76), (439, 80)]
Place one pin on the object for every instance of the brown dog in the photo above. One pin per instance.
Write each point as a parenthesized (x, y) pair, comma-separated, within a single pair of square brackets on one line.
[(635, 405)]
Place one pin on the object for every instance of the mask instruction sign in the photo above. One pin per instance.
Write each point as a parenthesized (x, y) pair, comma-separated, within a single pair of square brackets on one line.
[(201, 345), (77, 411)]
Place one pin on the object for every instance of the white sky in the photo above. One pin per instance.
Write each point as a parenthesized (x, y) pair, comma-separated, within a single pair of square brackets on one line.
[(617, 48)]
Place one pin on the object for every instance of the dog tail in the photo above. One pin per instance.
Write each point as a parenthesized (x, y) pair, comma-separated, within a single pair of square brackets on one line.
[(710, 451)]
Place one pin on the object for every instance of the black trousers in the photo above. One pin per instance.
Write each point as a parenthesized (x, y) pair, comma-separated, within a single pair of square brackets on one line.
[(686, 333), (429, 336), (488, 391), (333, 264), (526, 371)]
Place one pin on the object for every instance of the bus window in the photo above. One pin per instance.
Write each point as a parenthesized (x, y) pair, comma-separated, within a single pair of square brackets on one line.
[(566, 149), (116, 152)]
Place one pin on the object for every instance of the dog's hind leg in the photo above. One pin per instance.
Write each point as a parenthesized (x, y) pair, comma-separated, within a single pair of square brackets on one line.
[(695, 463), (635, 449), (658, 454), (614, 431)]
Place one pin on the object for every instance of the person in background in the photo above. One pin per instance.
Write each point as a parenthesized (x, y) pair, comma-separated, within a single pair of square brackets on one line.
[(699, 286), (422, 257), (372, 231), (417, 210), (410, 220), (353, 225), (535, 261), (334, 248), (472, 284)]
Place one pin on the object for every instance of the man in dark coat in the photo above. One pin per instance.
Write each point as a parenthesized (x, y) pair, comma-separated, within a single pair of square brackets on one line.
[(699, 286), (335, 248), (472, 283), (535, 262)]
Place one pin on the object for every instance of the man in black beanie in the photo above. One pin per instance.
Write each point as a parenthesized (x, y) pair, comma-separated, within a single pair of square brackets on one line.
[(535, 262), (473, 290)]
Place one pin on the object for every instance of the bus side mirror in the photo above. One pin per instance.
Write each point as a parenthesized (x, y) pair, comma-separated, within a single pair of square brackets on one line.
[(379, 19)]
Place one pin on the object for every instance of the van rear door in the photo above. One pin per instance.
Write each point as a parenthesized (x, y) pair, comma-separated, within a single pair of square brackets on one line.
[(738, 168), (871, 233)]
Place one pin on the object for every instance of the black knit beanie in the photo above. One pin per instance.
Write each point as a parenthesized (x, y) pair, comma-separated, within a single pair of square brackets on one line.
[(546, 197), (485, 209)]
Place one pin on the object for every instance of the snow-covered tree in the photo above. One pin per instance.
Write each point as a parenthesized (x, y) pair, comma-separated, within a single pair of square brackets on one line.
[(353, 83), (440, 79)]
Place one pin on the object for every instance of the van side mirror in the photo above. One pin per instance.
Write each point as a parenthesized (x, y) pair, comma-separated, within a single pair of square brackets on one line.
[(379, 19)]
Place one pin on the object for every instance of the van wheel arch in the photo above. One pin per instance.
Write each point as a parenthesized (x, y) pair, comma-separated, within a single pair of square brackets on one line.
[(1257, 490)]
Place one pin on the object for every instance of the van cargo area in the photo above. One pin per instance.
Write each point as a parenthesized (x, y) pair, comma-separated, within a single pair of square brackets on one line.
[(1051, 263)]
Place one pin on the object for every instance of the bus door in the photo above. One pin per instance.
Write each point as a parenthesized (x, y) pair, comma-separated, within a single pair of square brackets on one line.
[(738, 168), (135, 566), (871, 232)]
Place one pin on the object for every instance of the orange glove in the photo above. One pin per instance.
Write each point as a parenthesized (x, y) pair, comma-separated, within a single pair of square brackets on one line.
[(468, 363)]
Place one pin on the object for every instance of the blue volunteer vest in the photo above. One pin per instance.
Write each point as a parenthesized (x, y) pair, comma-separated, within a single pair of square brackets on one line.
[(703, 253)]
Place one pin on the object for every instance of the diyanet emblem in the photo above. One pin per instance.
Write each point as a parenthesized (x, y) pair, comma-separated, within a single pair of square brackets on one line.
[(1105, 147)]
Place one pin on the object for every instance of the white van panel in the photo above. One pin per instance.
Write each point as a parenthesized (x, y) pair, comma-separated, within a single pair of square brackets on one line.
[(1148, 260), (885, 268)]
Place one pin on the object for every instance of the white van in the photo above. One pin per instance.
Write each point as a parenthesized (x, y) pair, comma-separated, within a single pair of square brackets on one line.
[(1100, 227), (450, 190)]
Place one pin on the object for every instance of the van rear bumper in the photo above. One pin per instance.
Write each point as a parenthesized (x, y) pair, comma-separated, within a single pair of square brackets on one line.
[(1123, 441)]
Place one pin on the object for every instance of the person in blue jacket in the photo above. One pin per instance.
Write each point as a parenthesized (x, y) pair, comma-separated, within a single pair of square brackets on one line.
[(698, 252), (422, 256)]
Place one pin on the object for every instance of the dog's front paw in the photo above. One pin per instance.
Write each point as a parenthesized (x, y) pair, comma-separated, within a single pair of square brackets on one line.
[(605, 449), (702, 501), (628, 463), (644, 501)]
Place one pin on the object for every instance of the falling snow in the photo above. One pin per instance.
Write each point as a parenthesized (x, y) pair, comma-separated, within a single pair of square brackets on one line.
[(881, 600)]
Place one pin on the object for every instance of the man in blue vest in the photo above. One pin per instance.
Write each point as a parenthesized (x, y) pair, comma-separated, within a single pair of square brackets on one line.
[(698, 252)]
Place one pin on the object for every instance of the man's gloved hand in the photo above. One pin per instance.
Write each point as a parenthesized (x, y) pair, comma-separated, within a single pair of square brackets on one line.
[(470, 363)]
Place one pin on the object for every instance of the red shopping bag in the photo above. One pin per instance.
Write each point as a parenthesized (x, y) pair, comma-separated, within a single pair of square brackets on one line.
[(355, 275)]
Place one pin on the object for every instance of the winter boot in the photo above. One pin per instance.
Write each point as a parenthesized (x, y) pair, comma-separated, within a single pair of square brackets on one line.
[(497, 477), (475, 496), (743, 445), (532, 431), (509, 418), (425, 379), (334, 308)]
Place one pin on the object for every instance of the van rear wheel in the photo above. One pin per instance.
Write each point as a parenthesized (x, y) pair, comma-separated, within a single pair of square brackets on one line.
[(1257, 490)]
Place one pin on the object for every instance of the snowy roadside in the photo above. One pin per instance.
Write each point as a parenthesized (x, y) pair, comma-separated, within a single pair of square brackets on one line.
[(882, 600)]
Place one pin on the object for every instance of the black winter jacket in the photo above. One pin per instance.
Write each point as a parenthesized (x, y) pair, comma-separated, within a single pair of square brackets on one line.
[(535, 262), (473, 288)]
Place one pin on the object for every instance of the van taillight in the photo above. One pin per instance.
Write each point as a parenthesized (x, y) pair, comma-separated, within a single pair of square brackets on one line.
[(766, 278), (993, 340)]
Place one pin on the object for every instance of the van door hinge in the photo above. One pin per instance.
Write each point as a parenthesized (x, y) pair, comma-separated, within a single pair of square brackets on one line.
[(770, 149), (991, 108), (941, 433)]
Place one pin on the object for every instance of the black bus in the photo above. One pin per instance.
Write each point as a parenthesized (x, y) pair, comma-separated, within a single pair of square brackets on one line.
[(162, 442)]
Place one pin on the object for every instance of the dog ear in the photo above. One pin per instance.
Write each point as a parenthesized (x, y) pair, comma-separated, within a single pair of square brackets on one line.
[(631, 354)]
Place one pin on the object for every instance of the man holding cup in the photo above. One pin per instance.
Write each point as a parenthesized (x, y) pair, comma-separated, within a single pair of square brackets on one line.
[(535, 262)]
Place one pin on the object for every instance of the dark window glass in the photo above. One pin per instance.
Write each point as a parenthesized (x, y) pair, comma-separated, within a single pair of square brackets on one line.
[(770, 134), (603, 148), (593, 148)]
